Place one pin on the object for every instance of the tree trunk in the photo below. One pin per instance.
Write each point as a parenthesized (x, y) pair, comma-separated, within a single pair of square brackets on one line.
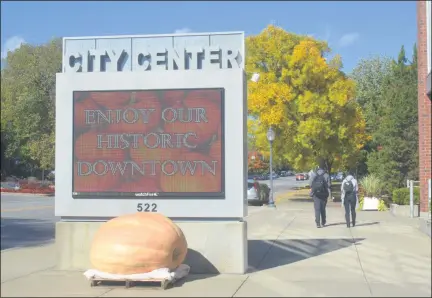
[(328, 169)]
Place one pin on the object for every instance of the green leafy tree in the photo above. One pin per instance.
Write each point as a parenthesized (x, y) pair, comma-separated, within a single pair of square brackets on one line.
[(397, 135), (370, 76), (28, 102)]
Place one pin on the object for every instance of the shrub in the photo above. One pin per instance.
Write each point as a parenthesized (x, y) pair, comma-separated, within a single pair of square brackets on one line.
[(32, 179), (371, 186), (382, 206), (360, 205), (45, 183), (27, 185), (401, 196), (361, 192)]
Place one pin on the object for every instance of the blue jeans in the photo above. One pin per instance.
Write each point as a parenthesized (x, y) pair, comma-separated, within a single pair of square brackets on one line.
[(320, 210)]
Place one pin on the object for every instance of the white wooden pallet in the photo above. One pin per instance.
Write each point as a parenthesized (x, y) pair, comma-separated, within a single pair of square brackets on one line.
[(162, 284)]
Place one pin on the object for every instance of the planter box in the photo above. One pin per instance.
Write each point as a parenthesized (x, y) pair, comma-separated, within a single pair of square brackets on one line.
[(404, 210), (370, 203), (425, 226)]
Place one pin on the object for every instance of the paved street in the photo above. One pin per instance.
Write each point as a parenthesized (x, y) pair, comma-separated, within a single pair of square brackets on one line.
[(383, 256), (284, 184), (28, 220)]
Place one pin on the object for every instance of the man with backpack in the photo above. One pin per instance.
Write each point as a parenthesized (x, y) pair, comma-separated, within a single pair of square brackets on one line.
[(320, 191), (349, 197)]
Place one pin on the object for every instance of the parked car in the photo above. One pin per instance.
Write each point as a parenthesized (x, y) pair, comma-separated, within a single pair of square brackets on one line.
[(286, 173), (301, 177), (262, 177), (256, 177), (257, 193), (10, 185), (252, 192), (337, 176)]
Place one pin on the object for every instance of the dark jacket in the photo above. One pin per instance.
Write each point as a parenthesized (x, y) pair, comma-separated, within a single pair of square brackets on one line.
[(326, 178)]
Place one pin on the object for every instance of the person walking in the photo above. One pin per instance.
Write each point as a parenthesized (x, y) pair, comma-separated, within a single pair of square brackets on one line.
[(320, 191), (349, 197)]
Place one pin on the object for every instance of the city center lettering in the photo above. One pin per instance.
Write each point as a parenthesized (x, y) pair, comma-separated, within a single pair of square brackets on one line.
[(97, 60)]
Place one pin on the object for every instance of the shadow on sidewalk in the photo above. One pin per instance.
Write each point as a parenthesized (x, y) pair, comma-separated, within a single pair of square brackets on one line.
[(196, 260), (17, 232), (266, 254), (357, 225), (301, 200)]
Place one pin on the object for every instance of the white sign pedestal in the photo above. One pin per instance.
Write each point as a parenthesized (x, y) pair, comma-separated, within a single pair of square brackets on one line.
[(213, 226)]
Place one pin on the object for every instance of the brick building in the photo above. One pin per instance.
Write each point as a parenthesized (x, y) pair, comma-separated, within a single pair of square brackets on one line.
[(424, 97)]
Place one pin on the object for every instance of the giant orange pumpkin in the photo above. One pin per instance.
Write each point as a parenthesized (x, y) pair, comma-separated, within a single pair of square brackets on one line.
[(138, 243)]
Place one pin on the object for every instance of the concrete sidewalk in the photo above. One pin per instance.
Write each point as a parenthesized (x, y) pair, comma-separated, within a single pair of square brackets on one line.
[(288, 256)]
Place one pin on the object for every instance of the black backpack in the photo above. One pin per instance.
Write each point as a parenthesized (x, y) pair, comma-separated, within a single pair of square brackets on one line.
[(348, 188), (319, 187)]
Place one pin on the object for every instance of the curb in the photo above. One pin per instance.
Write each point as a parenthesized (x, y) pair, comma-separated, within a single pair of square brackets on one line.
[(28, 194)]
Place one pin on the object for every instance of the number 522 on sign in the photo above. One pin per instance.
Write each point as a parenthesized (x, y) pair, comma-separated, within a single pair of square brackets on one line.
[(147, 207)]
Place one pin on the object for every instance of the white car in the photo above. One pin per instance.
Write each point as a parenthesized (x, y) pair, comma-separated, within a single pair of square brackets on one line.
[(252, 194)]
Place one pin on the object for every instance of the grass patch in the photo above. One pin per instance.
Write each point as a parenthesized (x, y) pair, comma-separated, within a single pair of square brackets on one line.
[(295, 195)]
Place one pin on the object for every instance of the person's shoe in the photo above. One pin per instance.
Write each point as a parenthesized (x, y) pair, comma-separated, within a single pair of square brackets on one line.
[(348, 225), (323, 224), (353, 224), (318, 226)]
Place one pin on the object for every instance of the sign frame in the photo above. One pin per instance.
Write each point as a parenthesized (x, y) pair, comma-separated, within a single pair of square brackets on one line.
[(160, 195), (234, 206)]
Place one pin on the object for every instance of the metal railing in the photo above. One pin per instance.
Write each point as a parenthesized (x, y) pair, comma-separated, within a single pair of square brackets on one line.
[(410, 185)]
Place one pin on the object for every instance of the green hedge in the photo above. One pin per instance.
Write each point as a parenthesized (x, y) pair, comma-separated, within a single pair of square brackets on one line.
[(401, 196)]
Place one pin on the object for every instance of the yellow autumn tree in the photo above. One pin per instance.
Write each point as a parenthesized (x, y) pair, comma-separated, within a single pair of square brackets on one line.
[(306, 99), (258, 140)]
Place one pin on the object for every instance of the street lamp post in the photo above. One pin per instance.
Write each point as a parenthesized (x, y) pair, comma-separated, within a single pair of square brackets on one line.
[(270, 137)]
